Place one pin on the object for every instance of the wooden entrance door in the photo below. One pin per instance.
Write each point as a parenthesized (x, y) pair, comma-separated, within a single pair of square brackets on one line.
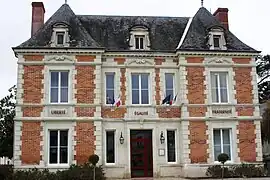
[(141, 153)]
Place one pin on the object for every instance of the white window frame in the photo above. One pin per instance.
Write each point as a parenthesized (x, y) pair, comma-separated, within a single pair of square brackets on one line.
[(139, 38), (59, 86), (231, 143), (60, 28), (175, 139), (105, 152), (56, 39), (58, 164), (140, 89), (105, 85), (173, 74), (219, 94), (139, 31), (222, 41)]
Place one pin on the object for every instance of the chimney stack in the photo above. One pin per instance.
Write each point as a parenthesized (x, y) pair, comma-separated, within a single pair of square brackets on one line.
[(222, 15), (38, 12)]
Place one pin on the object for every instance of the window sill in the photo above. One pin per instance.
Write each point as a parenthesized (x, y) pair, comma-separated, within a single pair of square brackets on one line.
[(58, 166)]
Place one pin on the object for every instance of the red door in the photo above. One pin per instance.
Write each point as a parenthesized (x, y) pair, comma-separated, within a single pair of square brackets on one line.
[(141, 153)]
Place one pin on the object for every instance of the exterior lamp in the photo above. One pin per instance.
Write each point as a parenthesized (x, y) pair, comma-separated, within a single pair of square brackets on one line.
[(162, 138), (121, 139)]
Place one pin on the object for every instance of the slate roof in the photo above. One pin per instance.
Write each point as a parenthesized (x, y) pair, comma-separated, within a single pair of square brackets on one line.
[(112, 32)]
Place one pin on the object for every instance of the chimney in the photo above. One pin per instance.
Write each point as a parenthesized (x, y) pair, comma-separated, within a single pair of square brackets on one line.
[(222, 15), (38, 12)]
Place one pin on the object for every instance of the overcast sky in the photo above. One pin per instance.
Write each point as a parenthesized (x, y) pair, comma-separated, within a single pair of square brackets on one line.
[(248, 20)]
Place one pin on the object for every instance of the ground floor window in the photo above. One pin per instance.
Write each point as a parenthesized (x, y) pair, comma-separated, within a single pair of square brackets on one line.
[(110, 147), (171, 146), (58, 146), (222, 142)]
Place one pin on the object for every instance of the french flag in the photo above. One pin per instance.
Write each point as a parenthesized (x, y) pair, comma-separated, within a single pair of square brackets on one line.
[(118, 102), (173, 100)]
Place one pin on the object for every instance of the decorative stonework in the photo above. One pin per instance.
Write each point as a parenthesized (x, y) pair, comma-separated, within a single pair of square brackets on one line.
[(59, 58), (198, 142)]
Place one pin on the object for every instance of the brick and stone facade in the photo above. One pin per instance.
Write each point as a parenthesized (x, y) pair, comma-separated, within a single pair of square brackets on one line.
[(87, 118)]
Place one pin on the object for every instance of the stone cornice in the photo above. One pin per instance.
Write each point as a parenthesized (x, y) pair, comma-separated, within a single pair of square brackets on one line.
[(216, 53)]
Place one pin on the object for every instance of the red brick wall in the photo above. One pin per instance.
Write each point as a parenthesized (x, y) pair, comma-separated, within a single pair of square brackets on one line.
[(32, 111), (85, 141), (169, 112), (197, 111), (159, 60), (112, 112), (198, 142), (120, 60), (32, 84), (33, 57), (123, 86), (241, 60), (31, 143), (157, 79), (85, 111), (83, 58), (245, 111), (246, 137), (243, 85)]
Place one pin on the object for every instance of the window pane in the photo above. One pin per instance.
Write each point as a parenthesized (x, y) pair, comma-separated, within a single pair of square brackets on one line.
[(169, 81), (227, 150), (60, 38), (137, 43), (214, 87), (109, 96), (226, 136), (171, 146), (64, 95), (217, 138), (145, 97), (223, 79), (54, 79), (54, 95), (53, 138), (224, 95), (64, 79), (135, 96), (63, 138), (216, 41), (110, 147), (144, 81), (170, 92), (135, 81), (109, 81), (141, 43), (217, 151), (63, 155), (53, 155)]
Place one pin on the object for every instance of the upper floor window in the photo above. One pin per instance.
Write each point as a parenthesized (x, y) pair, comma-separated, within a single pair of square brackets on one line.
[(217, 39), (109, 88), (60, 36), (169, 85), (219, 87), (58, 147), (59, 87), (139, 38), (140, 88), (222, 142)]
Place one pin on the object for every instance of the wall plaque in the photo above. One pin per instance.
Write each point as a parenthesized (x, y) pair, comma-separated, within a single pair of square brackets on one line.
[(58, 112), (137, 113)]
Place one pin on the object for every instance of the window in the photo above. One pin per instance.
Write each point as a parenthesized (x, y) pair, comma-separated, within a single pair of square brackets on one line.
[(110, 147), (171, 146), (216, 40), (222, 142), (140, 88), (219, 86), (169, 85), (139, 42), (59, 87), (109, 88), (60, 38), (58, 149)]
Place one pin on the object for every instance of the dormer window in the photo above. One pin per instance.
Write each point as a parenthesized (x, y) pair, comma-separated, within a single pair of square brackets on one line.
[(139, 42), (60, 36), (216, 39), (139, 38)]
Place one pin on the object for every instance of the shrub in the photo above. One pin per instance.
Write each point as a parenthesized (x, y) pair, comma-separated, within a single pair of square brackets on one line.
[(248, 170), (242, 170), (93, 159), (6, 172), (216, 172)]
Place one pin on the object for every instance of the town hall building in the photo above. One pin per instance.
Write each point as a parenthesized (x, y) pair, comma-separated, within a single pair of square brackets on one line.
[(151, 96)]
